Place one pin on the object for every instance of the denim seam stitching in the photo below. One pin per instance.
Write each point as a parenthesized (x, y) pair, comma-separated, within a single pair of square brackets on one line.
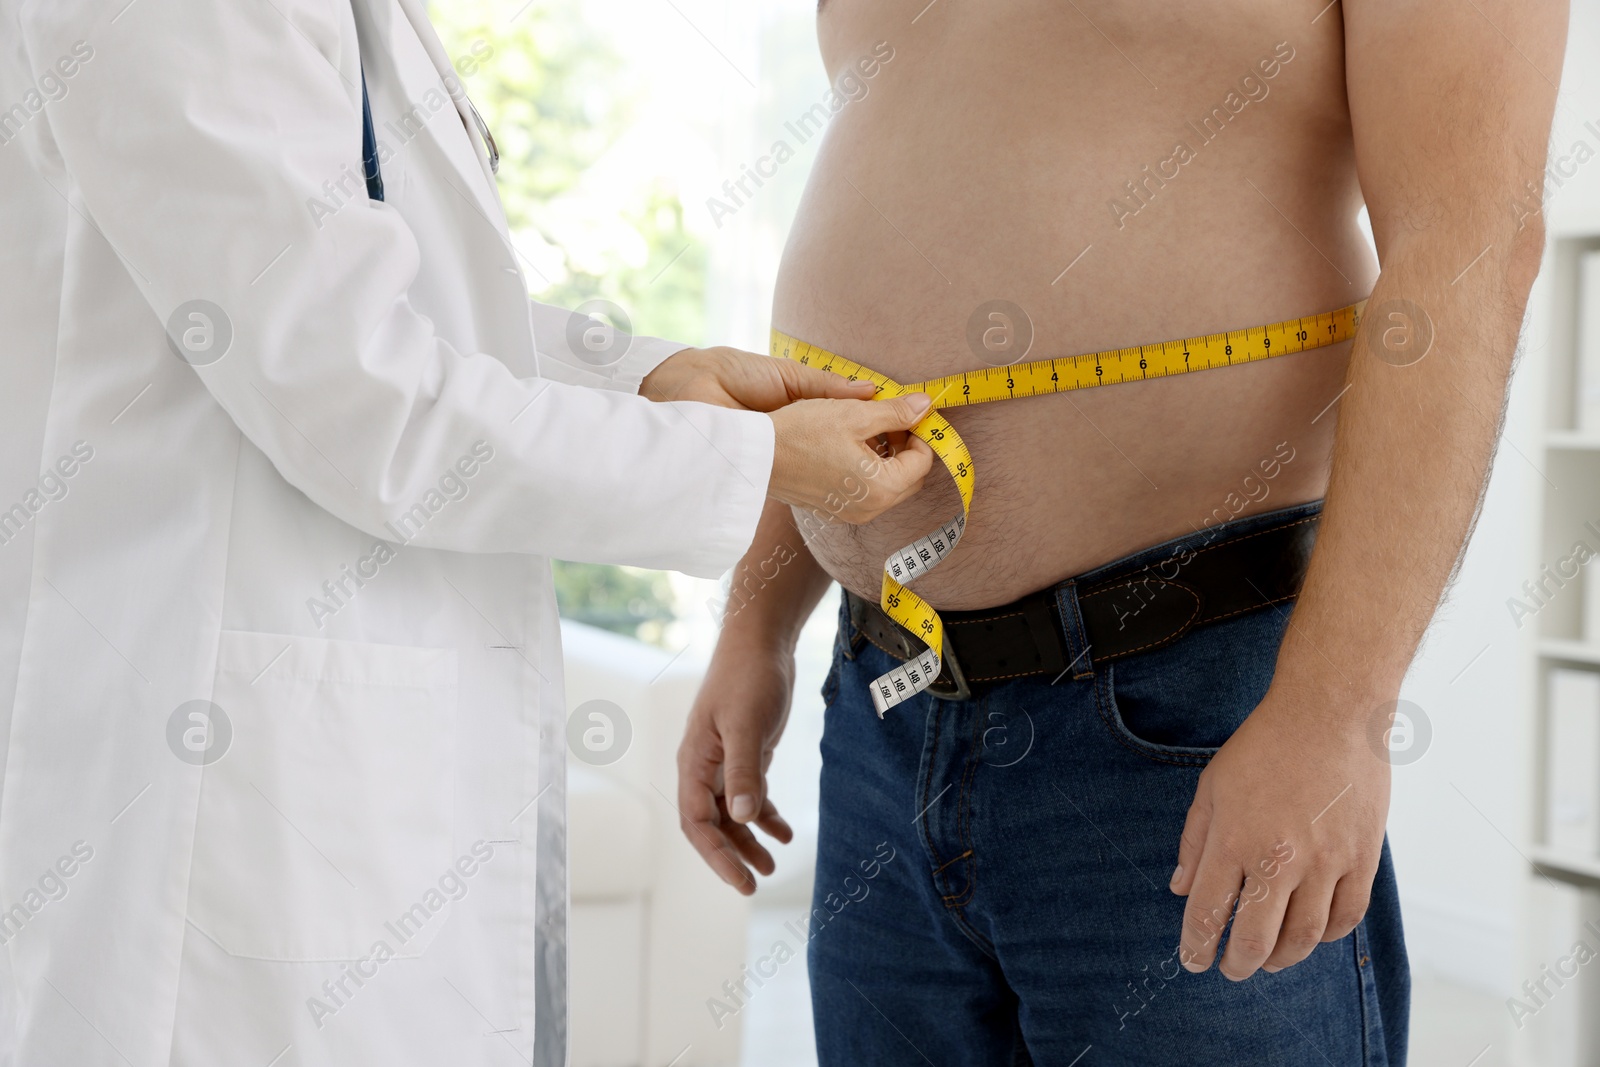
[(972, 933), (1361, 996), (957, 907), (963, 828), (927, 784), (953, 859)]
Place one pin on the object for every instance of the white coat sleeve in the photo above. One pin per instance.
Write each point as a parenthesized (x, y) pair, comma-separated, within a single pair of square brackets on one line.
[(563, 360), (193, 141)]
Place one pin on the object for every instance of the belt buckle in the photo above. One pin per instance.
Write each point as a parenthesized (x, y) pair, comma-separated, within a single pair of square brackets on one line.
[(956, 688)]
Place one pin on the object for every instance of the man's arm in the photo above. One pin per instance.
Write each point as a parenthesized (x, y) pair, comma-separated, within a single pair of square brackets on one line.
[(743, 703), (1451, 108)]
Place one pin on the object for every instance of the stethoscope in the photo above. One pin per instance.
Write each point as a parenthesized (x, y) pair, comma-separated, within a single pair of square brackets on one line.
[(369, 144), (488, 138)]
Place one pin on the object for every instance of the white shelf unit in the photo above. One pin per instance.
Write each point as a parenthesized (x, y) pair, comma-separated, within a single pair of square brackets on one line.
[(1563, 887)]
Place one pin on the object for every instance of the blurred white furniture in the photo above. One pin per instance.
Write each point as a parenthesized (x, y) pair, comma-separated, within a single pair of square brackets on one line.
[(654, 934), (1557, 1017)]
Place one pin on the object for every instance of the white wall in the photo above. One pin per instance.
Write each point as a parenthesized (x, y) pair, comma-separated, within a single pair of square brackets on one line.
[(1461, 816)]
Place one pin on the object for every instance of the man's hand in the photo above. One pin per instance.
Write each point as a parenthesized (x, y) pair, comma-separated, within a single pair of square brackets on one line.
[(1288, 817), (1287, 823), (733, 729), (730, 378), (744, 702)]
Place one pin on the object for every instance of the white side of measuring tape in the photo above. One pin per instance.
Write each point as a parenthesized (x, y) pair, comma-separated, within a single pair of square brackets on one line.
[(917, 558)]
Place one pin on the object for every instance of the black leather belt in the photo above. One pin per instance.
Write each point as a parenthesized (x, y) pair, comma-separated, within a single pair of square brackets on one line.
[(1120, 616)]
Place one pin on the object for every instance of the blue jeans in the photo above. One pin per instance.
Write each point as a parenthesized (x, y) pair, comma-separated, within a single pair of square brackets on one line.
[(991, 882)]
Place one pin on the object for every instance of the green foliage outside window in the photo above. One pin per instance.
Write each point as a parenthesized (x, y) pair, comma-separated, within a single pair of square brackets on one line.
[(557, 96), (625, 600)]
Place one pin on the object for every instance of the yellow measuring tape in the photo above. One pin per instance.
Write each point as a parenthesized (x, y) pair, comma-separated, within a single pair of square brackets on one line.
[(1111, 367)]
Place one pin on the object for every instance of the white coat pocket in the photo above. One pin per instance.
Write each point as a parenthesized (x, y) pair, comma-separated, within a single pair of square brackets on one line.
[(329, 814)]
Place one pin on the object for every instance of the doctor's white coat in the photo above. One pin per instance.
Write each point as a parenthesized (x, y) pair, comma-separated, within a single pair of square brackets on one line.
[(281, 722)]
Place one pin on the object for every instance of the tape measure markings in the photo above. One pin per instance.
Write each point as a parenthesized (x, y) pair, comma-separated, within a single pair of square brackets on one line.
[(1039, 378)]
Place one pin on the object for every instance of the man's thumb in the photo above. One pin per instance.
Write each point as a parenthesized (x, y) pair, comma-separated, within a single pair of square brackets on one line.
[(1191, 846), (741, 775)]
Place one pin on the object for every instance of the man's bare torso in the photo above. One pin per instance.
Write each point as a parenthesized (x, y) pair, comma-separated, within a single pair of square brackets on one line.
[(983, 164)]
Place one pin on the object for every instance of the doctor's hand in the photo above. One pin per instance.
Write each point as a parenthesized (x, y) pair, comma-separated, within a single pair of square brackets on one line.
[(849, 459), (730, 378), (837, 452)]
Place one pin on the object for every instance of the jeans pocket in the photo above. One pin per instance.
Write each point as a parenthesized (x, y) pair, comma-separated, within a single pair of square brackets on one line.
[(329, 814), (1181, 703), (1131, 734)]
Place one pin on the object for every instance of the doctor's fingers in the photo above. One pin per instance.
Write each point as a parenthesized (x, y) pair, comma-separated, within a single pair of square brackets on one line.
[(808, 383), (822, 461), (729, 377), (890, 481), (887, 416)]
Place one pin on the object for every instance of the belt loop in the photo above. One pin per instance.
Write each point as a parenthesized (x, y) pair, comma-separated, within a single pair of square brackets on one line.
[(1079, 661), (849, 638)]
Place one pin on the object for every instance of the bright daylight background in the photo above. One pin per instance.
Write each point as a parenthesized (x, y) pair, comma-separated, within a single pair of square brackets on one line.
[(617, 119)]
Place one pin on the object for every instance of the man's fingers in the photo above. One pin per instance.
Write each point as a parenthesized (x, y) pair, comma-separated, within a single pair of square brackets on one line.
[(1303, 924), (1349, 904), (700, 812), (719, 853), (1255, 929), (1211, 901), (1191, 844), (775, 825), (749, 847)]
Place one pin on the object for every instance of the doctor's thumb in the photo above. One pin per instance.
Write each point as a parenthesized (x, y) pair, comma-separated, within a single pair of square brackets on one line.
[(899, 413)]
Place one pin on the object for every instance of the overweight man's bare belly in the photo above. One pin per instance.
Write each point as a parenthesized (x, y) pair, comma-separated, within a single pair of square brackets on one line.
[(982, 162)]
